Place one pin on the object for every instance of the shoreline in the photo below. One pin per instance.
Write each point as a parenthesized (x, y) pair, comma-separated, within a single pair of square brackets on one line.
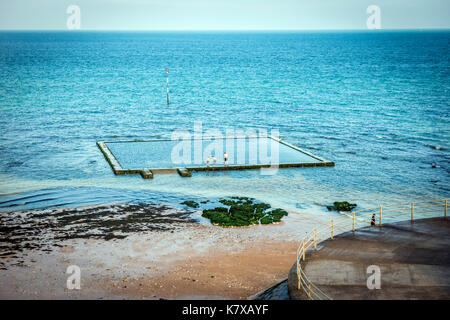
[(182, 260)]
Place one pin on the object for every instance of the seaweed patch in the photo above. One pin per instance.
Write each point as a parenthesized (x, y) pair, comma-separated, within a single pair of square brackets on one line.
[(243, 211), (342, 206), (190, 203)]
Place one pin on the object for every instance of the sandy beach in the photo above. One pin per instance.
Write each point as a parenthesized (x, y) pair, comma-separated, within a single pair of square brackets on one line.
[(176, 258)]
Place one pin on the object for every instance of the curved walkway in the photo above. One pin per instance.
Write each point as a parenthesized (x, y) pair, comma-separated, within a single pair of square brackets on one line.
[(413, 257)]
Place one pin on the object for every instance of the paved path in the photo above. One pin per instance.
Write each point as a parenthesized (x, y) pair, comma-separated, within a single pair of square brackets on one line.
[(414, 259)]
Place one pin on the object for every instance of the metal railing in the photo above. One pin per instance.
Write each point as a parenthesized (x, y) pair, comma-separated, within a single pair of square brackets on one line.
[(356, 219)]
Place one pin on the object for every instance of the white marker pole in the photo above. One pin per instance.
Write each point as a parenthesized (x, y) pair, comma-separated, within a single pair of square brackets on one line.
[(167, 70)]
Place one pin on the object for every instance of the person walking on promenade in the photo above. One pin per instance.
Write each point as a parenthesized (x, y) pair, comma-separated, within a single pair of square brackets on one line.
[(214, 160), (225, 158), (207, 162)]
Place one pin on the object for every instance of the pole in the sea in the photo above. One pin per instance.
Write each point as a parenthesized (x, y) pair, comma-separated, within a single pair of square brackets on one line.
[(167, 71)]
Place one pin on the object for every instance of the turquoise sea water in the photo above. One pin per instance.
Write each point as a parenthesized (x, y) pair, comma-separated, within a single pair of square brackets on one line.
[(377, 104)]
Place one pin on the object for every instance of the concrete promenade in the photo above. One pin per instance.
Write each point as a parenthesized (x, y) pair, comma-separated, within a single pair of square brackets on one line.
[(414, 259)]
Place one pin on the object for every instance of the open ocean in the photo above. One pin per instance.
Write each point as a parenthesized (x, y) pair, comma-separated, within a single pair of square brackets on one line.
[(375, 103)]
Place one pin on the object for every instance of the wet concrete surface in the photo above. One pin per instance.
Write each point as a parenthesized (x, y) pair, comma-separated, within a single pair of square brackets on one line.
[(277, 292), (413, 257)]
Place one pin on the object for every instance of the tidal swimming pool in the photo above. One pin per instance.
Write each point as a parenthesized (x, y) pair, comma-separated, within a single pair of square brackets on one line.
[(193, 153)]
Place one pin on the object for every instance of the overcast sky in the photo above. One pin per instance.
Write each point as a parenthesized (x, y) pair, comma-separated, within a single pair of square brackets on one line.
[(224, 14)]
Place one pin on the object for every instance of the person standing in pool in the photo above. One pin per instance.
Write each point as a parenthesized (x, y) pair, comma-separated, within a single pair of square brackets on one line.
[(225, 158), (207, 161), (214, 160)]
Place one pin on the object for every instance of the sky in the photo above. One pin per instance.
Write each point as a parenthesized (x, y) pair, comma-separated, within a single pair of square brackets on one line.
[(223, 14)]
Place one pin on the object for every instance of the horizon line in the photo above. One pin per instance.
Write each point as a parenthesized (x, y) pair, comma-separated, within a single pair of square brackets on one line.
[(231, 30)]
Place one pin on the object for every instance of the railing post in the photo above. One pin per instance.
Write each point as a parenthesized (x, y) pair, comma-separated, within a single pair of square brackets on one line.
[(309, 290), (299, 273), (315, 239), (303, 249), (445, 208), (381, 214), (353, 225), (412, 210), (331, 229)]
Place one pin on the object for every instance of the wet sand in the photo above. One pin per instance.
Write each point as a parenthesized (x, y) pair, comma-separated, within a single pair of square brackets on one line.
[(185, 260)]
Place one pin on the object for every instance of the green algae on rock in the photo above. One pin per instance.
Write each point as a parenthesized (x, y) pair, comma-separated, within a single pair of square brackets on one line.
[(342, 206), (242, 212), (190, 203)]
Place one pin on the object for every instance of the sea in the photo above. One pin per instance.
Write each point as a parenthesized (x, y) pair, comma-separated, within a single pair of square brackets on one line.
[(376, 103)]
